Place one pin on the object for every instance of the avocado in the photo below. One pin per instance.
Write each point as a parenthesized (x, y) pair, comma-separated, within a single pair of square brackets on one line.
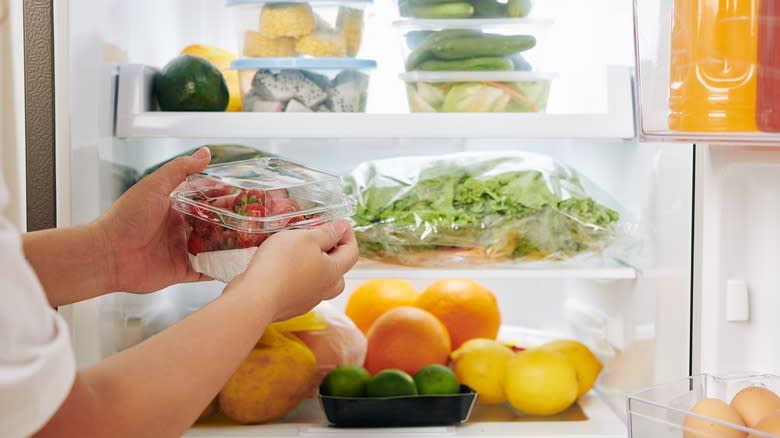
[(191, 83)]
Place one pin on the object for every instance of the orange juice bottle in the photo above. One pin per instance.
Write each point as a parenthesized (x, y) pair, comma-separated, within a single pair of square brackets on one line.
[(713, 65)]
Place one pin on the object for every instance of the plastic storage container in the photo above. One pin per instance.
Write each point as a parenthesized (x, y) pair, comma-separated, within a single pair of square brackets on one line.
[(304, 84), (463, 9), (478, 91), (416, 410), (327, 28), (660, 411), (428, 47), (235, 206)]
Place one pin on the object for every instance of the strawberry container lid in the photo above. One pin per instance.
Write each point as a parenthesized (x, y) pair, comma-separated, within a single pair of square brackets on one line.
[(287, 195), (302, 63)]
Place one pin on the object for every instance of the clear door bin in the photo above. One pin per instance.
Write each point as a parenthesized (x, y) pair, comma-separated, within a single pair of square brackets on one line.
[(304, 85), (320, 28), (708, 70), (665, 410), (495, 92)]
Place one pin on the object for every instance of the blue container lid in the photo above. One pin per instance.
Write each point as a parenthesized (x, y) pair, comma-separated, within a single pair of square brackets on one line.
[(260, 2), (302, 63)]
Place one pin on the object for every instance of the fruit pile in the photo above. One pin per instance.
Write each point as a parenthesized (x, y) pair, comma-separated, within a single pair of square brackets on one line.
[(356, 381), (455, 323), (210, 233)]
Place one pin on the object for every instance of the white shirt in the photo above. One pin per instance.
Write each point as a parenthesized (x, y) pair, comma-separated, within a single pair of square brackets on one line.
[(37, 366)]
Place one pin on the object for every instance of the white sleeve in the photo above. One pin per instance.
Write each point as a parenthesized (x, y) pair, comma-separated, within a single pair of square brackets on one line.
[(37, 366)]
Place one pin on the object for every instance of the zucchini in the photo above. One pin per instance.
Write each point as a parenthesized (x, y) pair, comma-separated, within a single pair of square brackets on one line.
[(518, 8), (483, 63), (488, 8), (485, 45), (423, 52), (458, 9)]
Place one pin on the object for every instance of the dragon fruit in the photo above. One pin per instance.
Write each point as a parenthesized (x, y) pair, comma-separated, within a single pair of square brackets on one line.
[(293, 106)]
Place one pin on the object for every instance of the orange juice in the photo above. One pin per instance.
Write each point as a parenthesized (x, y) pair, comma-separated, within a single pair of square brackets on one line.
[(713, 65)]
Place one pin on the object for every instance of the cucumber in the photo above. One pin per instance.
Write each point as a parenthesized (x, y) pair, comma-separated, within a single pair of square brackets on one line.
[(485, 45), (423, 52), (484, 63), (488, 8), (518, 8), (440, 10), (521, 64)]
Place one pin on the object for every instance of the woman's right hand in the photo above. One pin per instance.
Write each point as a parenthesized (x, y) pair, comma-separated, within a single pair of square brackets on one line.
[(292, 271)]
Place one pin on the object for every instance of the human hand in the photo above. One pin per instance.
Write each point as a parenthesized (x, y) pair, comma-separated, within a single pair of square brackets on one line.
[(292, 271), (145, 236)]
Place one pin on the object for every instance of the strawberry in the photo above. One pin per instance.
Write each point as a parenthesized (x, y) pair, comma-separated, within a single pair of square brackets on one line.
[(276, 194), (247, 240), (197, 245), (229, 240), (282, 206), (245, 198)]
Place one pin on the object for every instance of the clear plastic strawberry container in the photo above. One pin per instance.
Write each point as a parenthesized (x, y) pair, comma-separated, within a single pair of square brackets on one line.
[(661, 411), (231, 208), (304, 84), (319, 28)]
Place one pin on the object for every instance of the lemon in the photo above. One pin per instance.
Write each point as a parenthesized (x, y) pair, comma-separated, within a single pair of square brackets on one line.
[(436, 379), (586, 364), (540, 382), (391, 383), (222, 59), (481, 363), (345, 381)]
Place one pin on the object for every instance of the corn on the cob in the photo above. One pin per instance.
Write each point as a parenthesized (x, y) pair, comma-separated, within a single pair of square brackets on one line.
[(350, 24), (321, 44), (286, 20), (258, 46)]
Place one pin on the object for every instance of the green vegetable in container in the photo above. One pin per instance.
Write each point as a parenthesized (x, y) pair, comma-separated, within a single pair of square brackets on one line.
[(483, 45), (488, 8), (518, 8), (425, 9), (487, 63), (504, 206)]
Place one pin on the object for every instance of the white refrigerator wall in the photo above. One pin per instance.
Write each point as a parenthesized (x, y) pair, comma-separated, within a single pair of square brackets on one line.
[(638, 327)]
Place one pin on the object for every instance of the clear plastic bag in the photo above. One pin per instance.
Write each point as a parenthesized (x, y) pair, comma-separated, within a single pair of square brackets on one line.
[(339, 343), (477, 208)]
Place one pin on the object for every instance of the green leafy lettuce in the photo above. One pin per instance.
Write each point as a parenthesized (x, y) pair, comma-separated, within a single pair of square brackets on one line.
[(507, 215)]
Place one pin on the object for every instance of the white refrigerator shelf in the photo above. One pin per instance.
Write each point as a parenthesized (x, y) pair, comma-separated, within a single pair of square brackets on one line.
[(133, 119), (566, 273), (590, 418)]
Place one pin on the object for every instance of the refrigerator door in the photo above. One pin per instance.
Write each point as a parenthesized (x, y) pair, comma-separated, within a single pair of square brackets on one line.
[(736, 277)]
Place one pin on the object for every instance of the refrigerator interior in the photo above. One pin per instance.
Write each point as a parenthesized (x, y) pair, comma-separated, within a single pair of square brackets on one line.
[(633, 313)]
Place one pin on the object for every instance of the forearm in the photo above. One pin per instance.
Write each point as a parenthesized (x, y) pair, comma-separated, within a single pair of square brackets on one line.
[(72, 264), (160, 386)]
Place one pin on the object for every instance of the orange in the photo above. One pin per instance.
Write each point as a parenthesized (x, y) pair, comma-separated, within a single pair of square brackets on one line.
[(408, 339), (375, 297), (468, 309)]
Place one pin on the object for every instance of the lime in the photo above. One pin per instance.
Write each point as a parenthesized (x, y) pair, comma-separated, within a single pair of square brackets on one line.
[(191, 83), (391, 383), (345, 381), (436, 379)]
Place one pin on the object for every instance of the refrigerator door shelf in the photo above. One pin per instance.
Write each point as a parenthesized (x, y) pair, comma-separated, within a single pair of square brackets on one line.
[(134, 118)]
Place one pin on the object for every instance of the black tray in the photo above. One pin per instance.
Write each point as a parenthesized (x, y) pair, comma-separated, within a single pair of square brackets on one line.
[(417, 410)]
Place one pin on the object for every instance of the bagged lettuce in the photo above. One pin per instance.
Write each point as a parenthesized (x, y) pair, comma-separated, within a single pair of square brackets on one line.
[(476, 208)]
